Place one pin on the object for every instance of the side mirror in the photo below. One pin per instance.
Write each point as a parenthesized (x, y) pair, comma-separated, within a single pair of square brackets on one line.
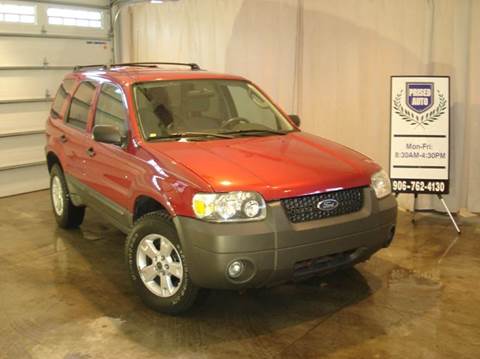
[(295, 119), (108, 134)]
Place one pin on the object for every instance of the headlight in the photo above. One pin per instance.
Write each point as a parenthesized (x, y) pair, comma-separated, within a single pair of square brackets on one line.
[(229, 207), (380, 182)]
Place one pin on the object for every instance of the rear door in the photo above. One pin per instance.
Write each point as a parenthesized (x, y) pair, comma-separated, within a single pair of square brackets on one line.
[(73, 133)]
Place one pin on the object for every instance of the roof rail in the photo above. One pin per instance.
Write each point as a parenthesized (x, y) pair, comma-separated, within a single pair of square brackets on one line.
[(192, 66)]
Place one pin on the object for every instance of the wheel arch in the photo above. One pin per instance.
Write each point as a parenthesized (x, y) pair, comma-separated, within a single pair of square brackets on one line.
[(53, 159), (145, 204)]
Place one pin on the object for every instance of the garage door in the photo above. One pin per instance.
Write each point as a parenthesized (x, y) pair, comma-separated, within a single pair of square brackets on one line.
[(39, 42)]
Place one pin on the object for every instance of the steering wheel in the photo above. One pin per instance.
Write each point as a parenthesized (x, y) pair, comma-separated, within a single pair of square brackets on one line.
[(234, 121)]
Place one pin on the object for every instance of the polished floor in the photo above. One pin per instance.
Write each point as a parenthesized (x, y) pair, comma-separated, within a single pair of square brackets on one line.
[(66, 294)]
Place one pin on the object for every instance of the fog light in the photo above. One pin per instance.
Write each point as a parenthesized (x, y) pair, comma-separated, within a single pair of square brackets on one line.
[(235, 269)]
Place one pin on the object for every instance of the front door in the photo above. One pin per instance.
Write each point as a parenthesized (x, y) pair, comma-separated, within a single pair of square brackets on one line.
[(110, 168)]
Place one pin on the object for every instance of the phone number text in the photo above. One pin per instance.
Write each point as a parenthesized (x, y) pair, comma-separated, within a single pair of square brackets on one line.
[(418, 186)]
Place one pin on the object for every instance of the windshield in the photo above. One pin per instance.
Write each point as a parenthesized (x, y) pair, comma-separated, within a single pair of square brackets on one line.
[(205, 108)]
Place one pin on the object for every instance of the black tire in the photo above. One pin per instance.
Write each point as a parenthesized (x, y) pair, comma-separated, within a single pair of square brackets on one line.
[(70, 216), (160, 223)]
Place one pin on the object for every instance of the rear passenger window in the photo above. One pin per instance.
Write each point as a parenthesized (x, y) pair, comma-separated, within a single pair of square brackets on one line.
[(111, 109), (62, 94), (80, 106)]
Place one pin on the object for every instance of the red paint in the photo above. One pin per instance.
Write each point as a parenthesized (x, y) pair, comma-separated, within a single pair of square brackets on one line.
[(172, 172)]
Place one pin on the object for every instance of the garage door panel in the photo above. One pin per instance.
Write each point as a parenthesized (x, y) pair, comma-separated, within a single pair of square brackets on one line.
[(48, 31), (29, 84), (14, 144), (61, 52), (42, 25), (20, 118), (30, 78), (24, 123), (77, 31), (23, 179), (21, 157), (21, 151)]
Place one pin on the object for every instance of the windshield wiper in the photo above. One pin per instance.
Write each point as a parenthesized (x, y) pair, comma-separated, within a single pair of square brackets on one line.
[(260, 132), (185, 134)]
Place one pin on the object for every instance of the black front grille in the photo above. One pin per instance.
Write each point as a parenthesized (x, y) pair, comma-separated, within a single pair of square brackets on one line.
[(306, 208)]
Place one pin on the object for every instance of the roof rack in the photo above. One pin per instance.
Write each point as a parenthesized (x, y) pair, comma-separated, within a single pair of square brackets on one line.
[(193, 66), (87, 67)]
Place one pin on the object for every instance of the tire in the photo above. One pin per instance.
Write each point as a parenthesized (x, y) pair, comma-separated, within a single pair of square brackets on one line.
[(157, 265), (66, 214)]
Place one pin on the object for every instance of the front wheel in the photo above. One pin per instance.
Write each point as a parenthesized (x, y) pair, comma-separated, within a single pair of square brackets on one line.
[(157, 265)]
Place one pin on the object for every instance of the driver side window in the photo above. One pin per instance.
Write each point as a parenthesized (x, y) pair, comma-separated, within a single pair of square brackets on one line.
[(111, 109)]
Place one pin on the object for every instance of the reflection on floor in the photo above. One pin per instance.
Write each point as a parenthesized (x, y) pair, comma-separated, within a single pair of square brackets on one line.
[(66, 295)]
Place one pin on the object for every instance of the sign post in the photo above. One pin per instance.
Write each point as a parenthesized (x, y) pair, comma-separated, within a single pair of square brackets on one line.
[(420, 136)]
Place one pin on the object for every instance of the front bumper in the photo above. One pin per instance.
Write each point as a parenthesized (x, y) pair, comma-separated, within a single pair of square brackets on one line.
[(276, 250)]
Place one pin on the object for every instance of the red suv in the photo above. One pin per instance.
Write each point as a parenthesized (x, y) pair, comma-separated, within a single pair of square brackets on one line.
[(214, 184)]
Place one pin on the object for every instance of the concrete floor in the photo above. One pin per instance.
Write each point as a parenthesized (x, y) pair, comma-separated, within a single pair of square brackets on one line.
[(65, 294)]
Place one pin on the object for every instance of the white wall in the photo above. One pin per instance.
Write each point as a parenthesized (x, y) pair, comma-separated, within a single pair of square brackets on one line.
[(331, 62)]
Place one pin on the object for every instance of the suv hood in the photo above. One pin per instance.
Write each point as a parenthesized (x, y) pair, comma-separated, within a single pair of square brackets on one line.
[(275, 166)]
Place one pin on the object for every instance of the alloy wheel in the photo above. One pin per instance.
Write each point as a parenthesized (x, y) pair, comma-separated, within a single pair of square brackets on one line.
[(159, 265), (57, 196)]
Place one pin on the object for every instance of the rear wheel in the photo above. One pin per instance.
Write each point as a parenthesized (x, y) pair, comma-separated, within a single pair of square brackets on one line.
[(66, 213), (157, 265)]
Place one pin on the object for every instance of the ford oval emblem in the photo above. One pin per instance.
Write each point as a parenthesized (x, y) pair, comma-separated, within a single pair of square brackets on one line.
[(328, 204)]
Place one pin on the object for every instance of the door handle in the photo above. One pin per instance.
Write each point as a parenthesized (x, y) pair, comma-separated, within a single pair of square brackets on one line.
[(91, 152), (63, 139)]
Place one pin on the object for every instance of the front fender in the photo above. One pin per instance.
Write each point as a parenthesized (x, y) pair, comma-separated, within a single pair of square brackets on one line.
[(168, 183)]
